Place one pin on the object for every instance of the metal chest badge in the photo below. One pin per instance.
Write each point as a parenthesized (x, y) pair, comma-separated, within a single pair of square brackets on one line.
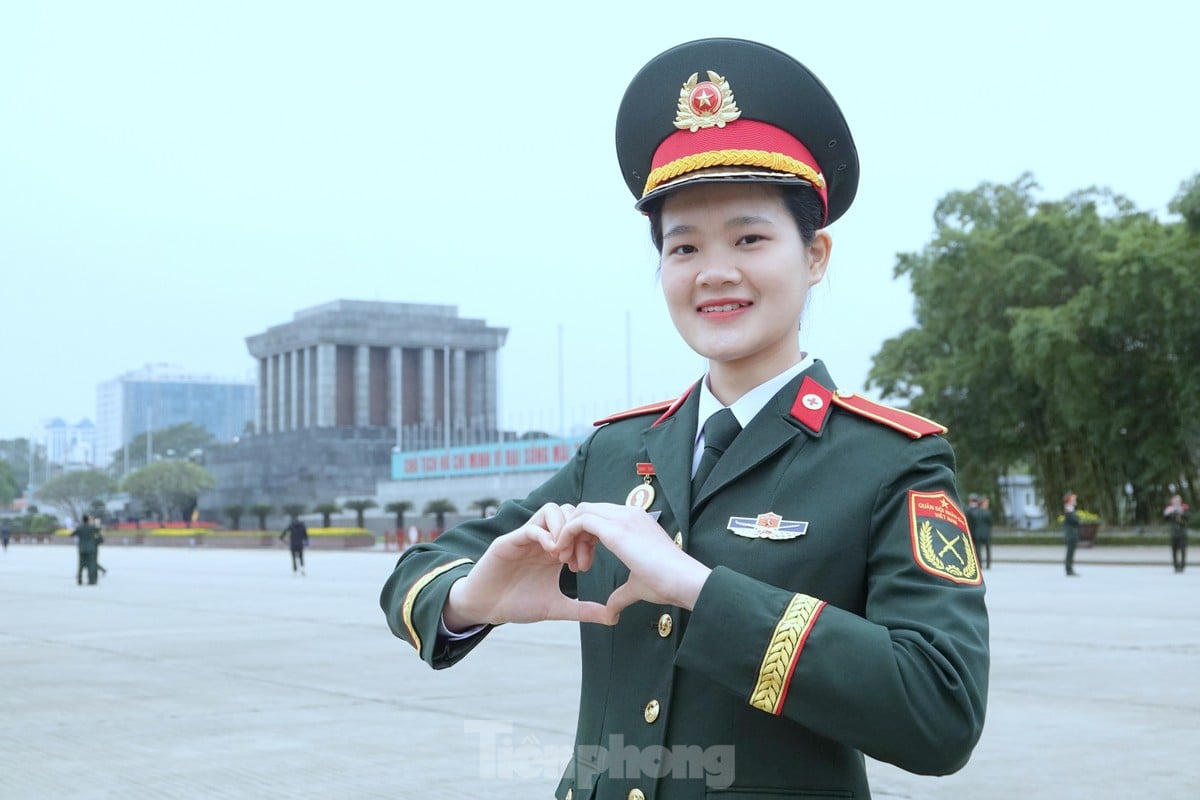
[(941, 543), (642, 495), (767, 526)]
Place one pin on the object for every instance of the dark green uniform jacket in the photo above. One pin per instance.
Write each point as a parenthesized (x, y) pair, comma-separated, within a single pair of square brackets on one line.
[(844, 615), (89, 539), (981, 528)]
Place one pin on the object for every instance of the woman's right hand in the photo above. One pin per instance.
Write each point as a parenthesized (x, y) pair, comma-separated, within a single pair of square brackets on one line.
[(516, 580)]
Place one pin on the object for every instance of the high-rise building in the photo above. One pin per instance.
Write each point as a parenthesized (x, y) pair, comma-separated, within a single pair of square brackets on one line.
[(159, 396), (70, 445)]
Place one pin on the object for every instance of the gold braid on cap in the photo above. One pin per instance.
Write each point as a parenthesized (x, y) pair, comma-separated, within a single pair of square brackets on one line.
[(765, 159)]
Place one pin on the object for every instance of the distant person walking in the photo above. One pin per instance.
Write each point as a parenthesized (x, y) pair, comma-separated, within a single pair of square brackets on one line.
[(1070, 531), (5, 533), (981, 531), (88, 539), (1176, 513), (297, 533)]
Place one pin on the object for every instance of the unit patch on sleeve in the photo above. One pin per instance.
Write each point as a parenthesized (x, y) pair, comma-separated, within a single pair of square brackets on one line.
[(941, 544)]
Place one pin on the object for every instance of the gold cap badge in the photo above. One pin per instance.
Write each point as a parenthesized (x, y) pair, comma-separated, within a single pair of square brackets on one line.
[(705, 104)]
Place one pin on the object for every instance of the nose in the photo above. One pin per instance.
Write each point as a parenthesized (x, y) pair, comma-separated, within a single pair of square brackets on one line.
[(718, 269)]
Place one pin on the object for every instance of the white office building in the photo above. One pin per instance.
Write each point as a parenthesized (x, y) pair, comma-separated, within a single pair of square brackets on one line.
[(159, 396)]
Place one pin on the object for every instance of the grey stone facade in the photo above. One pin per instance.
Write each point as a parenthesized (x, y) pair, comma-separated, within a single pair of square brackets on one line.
[(353, 363), (318, 465), (342, 384)]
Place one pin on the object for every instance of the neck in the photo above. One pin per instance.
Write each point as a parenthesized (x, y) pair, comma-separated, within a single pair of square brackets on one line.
[(730, 380)]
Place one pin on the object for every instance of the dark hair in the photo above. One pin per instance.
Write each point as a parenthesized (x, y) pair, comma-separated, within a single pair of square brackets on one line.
[(802, 202)]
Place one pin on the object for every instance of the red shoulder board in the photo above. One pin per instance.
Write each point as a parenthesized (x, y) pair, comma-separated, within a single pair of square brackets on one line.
[(906, 422), (652, 408)]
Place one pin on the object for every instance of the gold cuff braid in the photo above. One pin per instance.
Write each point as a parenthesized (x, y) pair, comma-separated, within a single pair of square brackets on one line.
[(410, 599), (786, 643)]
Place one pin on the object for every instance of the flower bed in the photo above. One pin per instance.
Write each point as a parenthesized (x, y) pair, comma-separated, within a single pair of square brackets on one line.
[(324, 538)]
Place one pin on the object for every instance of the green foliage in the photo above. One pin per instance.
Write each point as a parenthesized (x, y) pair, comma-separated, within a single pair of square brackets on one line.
[(359, 508), (293, 510), (399, 508), (483, 504), (169, 488), (74, 492), (16, 453), (262, 511), (176, 442), (1060, 334), (1187, 203), (34, 524), (42, 524), (326, 510), (235, 512), (9, 485), (440, 508)]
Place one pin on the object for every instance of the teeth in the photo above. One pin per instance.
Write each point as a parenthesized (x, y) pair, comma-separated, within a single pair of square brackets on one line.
[(724, 307)]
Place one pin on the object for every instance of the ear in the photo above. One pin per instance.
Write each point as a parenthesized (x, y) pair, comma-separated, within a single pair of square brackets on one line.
[(818, 251)]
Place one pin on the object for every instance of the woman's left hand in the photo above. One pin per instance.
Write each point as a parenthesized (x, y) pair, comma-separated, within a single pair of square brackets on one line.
[(659, 572)]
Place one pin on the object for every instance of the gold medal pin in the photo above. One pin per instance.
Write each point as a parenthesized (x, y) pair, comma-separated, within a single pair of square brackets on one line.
[(642, 495)]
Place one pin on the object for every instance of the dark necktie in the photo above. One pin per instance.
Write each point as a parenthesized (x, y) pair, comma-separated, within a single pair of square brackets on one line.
[(719, 433)]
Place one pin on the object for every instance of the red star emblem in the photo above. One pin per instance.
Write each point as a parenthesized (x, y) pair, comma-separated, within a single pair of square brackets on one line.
[(768, 520), (706, 98)]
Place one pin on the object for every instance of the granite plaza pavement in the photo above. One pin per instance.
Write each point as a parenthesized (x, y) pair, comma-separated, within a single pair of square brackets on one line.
[(209, 673)]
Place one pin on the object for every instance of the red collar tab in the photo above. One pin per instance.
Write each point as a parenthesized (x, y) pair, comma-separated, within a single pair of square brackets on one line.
[(812, 404), (908, 423)]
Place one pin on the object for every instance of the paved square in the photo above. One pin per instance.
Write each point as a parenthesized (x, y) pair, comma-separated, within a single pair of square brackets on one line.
[(200, 673)]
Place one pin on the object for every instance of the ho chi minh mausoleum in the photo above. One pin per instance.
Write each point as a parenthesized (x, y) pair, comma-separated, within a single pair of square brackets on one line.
[(342, 384)]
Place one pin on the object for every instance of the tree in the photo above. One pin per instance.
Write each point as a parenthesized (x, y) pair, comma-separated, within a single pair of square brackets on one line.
[(359, 508), (399, 508), (174, 442), (483, 504), (326, 510), (169, 488), (74, 491), (24, 460), (235, 512), (262, 510), (9, 485), (1187, 203), (98, 510), (1060, 334), (293, 510), (440, 508)]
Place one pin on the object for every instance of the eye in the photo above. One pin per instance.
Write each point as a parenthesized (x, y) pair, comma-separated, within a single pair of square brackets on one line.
[(681, 250), (751, 238)]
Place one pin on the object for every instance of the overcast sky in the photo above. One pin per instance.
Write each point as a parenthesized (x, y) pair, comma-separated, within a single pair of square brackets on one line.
[(176, 176)]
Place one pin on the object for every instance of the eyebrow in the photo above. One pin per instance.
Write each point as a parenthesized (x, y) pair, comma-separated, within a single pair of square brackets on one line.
[(736, 222)]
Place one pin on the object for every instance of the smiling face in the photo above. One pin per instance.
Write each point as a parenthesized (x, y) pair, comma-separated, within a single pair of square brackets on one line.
[(736, 274)]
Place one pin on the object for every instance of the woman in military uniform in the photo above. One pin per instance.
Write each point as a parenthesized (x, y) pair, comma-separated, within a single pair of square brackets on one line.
[(773, 577)]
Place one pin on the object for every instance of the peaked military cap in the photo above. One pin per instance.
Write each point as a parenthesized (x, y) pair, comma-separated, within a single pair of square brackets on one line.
[(717, 110)]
